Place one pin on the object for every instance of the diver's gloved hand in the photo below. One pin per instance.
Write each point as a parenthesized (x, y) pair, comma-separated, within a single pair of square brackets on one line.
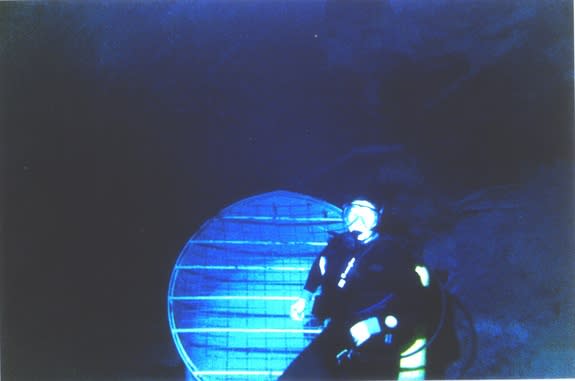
[(297, 310), (364, 330)]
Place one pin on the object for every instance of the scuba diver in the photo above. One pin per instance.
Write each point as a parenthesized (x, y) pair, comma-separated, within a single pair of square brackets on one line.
[(382, 316)]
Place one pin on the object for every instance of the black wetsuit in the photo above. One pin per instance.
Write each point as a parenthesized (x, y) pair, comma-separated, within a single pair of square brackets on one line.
[(381, 282)]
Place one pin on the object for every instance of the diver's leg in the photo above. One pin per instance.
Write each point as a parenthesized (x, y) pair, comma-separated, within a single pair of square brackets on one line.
[(318, 361)]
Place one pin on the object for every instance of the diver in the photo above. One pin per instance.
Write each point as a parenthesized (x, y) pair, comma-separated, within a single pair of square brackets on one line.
[(376, 305)]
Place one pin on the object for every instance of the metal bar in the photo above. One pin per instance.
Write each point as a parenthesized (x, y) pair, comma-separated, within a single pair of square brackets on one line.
[(257, 243), (234, 297), (240, 267), (238, 373), (283, 218), (244, 330)]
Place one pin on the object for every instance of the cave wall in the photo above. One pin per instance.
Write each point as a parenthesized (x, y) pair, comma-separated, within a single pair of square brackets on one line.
[(128, 124)]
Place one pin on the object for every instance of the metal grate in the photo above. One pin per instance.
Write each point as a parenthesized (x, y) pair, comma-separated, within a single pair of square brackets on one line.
[(234, 281)]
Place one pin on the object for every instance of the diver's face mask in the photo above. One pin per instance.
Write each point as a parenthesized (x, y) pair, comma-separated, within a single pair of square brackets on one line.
[(361, 216)]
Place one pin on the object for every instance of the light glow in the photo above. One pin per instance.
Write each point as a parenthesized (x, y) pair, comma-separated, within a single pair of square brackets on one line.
[(322, 265), (235, 280), (414, 362), (412, 375), (423, 275)]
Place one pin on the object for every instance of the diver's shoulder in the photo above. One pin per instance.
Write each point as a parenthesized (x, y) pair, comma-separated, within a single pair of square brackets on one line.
[(339, 236)]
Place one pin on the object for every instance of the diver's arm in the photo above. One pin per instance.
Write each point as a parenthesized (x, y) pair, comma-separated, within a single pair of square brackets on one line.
[(313, 281), (319, 266), (314, 276), (311, 285)]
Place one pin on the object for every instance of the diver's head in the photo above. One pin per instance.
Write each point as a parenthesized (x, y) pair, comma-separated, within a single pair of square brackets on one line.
[(361, 216)]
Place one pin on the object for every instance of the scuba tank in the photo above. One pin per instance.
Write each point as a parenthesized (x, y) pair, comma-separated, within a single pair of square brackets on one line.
[(410, 348)]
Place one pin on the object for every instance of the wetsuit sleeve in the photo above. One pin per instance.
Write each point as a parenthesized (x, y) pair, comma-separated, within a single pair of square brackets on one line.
[(314, 276)]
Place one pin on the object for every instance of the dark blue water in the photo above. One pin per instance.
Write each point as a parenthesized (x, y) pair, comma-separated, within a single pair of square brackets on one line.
[(128, 125)]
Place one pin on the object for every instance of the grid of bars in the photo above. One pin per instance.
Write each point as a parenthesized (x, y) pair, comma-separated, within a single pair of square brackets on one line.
[(234, 281)]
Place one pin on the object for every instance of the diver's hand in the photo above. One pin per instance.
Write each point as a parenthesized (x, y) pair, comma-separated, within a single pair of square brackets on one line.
[(298, 308), (364, 330)]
